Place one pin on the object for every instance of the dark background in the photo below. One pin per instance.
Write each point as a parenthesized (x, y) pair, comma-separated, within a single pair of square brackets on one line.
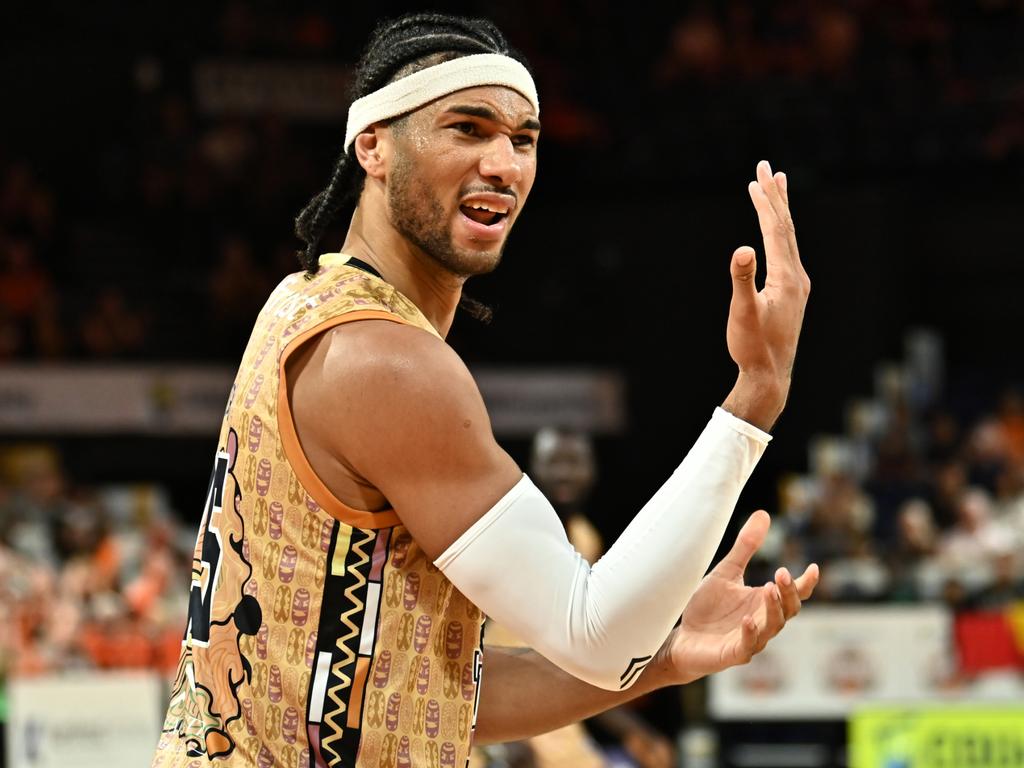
[(900, 125)]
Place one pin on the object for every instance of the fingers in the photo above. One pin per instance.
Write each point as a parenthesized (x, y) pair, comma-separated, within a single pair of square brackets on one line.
[(776, 242), (782, 601), (770, 183), (748, 541), (770, 196), (754, 636), (775, 616), (743, 268), (749, 639), (807, 581), (795, 591), (788, 590)]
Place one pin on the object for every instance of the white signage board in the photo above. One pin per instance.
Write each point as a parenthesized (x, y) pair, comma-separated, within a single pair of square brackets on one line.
[(829, 661), (86, 720), (190, 400), (522, 400), (126, 399)]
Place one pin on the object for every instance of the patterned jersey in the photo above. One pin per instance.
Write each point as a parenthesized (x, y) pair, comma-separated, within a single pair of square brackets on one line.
[(317, 634)]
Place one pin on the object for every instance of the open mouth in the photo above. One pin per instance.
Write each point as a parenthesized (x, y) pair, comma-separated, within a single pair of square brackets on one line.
[(483, 213)]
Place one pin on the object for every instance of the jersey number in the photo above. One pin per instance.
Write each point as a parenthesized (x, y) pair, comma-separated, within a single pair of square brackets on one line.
[(201, 598)]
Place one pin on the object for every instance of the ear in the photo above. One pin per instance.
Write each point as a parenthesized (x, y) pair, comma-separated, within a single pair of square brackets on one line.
[(372, 148)]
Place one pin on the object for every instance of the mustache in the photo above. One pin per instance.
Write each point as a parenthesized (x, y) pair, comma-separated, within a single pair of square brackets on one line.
[(488, 189)]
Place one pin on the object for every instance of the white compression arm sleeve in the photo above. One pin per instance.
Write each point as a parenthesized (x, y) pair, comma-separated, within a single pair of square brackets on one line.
[(604, 624)]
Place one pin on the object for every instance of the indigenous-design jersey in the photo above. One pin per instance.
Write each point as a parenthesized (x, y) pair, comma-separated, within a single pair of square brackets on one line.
[(317, 634)]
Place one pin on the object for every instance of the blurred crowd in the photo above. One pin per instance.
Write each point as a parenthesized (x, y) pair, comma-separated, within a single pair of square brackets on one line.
[(167, 213), (91, 578), (155, 228), (914, 503)]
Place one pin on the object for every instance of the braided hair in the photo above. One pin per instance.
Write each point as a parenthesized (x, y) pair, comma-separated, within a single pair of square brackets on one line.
[(397, 48)]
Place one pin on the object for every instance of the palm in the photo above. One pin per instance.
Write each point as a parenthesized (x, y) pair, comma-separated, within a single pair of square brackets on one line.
[(712, 624), (726, 622)]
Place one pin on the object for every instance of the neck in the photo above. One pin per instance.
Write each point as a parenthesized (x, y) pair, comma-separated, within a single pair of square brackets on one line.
[(568, 511), (431, 287)]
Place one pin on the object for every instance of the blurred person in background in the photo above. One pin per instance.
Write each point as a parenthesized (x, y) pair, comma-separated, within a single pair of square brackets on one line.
[(74, 595), (37, 503), (969, 550), (1007, 583), (947, 483), (29, 322), (111, 327), (986, 453), (563, 464), (237, 287), (360, 516), (840, 516), (912, 561)]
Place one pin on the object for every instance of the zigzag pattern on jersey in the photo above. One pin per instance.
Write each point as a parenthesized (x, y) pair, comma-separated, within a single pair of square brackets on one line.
[(349, 655)]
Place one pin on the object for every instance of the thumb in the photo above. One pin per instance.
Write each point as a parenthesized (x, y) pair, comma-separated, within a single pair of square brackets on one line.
[(743, 268)]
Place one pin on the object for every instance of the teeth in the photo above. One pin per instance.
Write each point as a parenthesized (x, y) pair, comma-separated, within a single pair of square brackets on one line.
[(486, 207)]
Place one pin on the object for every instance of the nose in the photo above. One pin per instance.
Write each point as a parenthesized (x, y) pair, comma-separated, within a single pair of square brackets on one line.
[(499, 163)]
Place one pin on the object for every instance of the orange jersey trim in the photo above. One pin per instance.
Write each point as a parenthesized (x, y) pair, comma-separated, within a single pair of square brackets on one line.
[(320, 493)]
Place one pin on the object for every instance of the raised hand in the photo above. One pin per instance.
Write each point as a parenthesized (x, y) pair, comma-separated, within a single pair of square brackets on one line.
[(764, 325), (726, 623)]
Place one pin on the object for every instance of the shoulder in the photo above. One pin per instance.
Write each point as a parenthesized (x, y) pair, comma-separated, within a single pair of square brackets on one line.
[(375, 359), (396, 407), (377, 377)]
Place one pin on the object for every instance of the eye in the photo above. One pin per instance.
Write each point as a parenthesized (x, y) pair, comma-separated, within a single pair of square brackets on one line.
[(465, 127), (523, 140)]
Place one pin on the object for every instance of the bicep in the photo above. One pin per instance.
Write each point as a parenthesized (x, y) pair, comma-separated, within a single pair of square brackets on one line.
[(412, 422)]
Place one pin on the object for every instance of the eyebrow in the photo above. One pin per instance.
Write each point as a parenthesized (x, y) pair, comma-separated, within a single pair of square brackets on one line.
[(529, 124)]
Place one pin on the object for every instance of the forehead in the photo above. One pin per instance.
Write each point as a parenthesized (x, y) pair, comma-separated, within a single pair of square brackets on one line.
[(508, 104)]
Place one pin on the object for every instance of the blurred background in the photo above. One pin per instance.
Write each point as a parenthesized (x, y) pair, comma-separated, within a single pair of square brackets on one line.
[(153, 156)]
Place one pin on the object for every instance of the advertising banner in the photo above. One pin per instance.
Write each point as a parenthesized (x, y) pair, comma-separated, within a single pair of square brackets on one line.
[(948, 737), (830, 661), (88, 720), (190, 400)]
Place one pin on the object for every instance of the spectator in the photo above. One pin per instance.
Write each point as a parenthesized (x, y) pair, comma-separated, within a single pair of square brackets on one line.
[(1007, 585), (237, 289), (70, 596), (916, 574), (111, 328), (562, 463), (29, 325), (969, 549), (947, 484)]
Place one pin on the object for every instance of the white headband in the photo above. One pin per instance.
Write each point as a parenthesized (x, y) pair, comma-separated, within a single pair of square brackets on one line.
[(422, 87)]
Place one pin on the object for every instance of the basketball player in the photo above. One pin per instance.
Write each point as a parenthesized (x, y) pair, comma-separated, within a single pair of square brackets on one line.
[(361, 519)]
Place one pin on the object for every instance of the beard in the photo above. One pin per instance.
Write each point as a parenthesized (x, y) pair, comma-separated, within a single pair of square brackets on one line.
[(416, 212)]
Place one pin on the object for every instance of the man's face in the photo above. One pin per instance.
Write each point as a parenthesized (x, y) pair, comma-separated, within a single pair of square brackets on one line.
[(563, 466), (461, 172)]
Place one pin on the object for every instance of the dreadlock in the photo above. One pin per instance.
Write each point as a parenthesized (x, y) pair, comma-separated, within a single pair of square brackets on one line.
[(397, 48)]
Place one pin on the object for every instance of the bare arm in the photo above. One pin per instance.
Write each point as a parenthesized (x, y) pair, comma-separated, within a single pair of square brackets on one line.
[(523, 694), (397, 409)]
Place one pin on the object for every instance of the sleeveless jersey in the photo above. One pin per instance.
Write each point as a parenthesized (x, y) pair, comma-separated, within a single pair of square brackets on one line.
[(317, 634)]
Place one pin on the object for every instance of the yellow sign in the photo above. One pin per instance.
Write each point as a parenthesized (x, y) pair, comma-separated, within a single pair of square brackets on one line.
[(950, 737)]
